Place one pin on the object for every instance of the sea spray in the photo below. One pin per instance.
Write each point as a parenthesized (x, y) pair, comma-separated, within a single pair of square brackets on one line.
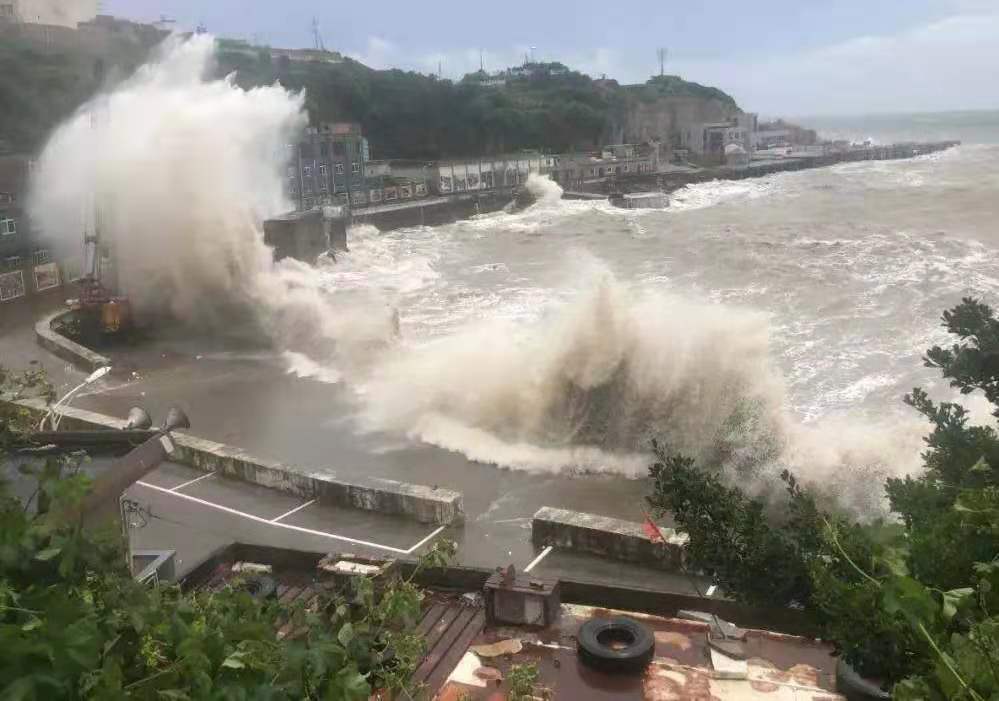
[(546, 191), (178, 171), (184, 168)]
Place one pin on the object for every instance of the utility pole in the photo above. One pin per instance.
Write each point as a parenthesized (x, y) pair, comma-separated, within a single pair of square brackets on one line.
[(482, 67), (317, 38), (663, 54)]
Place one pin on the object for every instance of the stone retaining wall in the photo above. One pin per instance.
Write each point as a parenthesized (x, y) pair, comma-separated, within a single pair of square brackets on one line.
[(57, 344), (424, 504), (607, 537)]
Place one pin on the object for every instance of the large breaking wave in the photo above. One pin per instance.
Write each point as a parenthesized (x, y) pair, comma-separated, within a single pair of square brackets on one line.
[(185, 168)]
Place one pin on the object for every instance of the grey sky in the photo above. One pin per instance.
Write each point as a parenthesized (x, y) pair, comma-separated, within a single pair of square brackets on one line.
[(786, 57)]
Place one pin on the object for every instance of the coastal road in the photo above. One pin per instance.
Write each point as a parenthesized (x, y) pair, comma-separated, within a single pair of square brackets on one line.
[(243, 396)]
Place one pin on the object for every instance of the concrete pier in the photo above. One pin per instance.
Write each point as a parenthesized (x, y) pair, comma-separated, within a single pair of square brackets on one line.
[(607, 537), (419, 502)]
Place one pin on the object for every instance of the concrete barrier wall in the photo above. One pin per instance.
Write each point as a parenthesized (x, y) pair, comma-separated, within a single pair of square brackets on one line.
[(57, 344), (607, 537), (424, 504)]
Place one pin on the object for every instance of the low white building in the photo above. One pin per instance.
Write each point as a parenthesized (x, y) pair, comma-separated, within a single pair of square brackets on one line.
[(470, 175)]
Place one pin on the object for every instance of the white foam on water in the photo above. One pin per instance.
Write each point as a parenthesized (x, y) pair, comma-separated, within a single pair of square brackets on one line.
[(529, 376), (301, 365)]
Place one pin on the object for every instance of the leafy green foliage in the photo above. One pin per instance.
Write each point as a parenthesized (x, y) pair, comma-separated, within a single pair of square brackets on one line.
[(74, 624), (910, 602), (522, 679), (670, 85), (39, 88)]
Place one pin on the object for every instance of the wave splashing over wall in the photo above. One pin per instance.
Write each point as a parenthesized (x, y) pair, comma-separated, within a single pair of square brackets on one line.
[(589, 388), (183, 169)]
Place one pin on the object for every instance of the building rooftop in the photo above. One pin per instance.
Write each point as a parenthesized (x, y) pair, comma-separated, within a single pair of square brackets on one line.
[(696, 655)]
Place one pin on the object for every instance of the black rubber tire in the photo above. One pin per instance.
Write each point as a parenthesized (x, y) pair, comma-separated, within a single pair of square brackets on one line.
[(260, 586), (635, 649), (854, 687)]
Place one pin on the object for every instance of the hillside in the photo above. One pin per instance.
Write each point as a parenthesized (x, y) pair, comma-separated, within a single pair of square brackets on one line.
[(45, 76), (543, 106), (404, 114)]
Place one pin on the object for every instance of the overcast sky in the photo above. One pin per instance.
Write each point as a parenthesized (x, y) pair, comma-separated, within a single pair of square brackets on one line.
[(777, 57)]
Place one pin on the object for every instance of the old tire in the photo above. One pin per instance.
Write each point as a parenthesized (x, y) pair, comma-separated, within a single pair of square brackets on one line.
[(615, 645), (854, 687), (260, 586)]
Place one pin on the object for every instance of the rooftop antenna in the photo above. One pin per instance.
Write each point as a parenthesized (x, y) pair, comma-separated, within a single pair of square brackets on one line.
[(482, 68), (663, 54), (317, 38), (439, 70)]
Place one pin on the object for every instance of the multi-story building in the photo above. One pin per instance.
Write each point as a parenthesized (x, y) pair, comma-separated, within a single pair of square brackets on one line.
[(574, 169), (709, 142), (26, 266), (327, 166), (61, 13)]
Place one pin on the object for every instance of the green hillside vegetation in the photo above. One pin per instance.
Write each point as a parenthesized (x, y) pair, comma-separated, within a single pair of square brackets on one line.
[(404, 114), (39, 89), (410, 115)]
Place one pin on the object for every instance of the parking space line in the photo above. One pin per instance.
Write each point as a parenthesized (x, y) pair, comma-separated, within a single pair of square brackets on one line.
[(289, 513), (539, 558), (423, 542), (190, 482), (299, 529)]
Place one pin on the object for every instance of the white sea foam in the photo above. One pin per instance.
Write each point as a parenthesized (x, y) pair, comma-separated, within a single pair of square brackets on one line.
[(529, 375)]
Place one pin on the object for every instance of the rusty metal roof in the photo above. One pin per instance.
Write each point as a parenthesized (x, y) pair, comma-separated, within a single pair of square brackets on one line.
[(686, 666), (778, 667)]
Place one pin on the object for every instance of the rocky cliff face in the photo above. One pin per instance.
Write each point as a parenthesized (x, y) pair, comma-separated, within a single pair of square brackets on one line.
[(665, 118)]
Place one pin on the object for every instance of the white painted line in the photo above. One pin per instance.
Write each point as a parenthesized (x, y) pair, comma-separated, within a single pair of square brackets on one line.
[(258, 519), (289, 513), (539, 558), (190, 482), (711, 589), (422, 542)]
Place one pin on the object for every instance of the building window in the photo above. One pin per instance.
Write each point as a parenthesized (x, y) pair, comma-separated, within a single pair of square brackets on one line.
[(12, 262), (11, 285), (339, 149), (307, 188), (355, 167), (339, 168), (307, 203), (7, 225), (42, 256), (307, 171), (323, 170)]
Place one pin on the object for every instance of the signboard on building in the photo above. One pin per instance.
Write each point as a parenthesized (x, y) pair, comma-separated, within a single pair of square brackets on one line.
[(11, 285), (46, 277)]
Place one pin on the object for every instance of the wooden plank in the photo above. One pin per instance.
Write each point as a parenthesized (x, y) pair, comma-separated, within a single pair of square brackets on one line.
[(435, 680), (429, 618), (303, 594), (441, 626), (290, 594), (444, 643)]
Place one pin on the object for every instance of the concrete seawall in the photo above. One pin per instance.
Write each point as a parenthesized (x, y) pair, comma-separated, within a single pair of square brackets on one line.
[(424, 504), (607, 537), (49, 338), (671, 181), (433, 211)]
